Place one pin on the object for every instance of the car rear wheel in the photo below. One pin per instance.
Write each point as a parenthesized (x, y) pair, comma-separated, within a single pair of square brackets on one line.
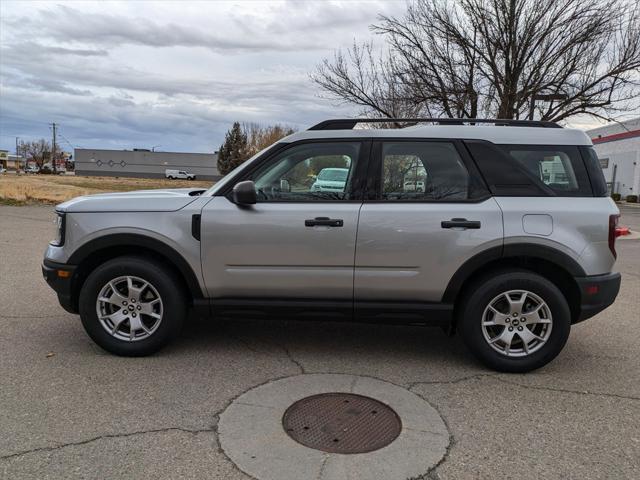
[(131, 306), (514, 321)]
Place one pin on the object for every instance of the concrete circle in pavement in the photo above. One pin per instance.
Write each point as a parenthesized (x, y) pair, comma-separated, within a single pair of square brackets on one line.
[(252, 436)]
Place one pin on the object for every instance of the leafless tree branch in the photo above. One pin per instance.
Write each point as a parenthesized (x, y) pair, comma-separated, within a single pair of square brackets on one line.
[(472, 58)]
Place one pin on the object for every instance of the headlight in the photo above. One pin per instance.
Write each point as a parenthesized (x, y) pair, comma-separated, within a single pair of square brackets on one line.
[(59, 223)]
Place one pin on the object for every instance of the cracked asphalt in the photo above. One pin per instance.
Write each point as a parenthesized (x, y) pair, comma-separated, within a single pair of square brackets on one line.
[(69, 410)]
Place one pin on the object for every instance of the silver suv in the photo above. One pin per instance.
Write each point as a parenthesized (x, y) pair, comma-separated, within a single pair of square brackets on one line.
[(509, 241)]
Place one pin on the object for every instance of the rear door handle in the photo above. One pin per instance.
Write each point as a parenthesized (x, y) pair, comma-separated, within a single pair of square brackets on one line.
[(460, 223), (324, 222)]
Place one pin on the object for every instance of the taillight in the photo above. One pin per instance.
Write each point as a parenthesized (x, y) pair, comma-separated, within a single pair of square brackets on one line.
[(613, 233)]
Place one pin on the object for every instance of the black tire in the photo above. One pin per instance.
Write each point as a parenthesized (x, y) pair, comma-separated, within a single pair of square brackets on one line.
[(160, 277), (480, 294)]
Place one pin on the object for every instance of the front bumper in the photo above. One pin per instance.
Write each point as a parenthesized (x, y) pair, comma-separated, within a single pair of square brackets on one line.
[(597, 292), (59, 276)]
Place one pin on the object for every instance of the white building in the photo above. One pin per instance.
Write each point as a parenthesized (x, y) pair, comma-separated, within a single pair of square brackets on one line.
[(618, 148)]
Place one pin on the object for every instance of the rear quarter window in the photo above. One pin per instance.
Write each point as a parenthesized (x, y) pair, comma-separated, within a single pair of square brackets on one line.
[(594, 169), (560, 168)]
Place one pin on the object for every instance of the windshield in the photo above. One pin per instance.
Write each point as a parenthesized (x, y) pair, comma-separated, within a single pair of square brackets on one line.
[(334, 174)]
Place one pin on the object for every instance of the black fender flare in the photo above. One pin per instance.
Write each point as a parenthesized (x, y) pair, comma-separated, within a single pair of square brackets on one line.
[(148, 243), (529, 251)]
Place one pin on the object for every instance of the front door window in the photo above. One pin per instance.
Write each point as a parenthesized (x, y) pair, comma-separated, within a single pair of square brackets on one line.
[(309, 172)]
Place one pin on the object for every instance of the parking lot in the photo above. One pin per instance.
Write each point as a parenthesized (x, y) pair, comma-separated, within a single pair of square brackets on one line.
[(69, 410)]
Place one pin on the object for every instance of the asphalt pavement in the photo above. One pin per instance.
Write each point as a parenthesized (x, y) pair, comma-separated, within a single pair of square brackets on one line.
[(70, 410)]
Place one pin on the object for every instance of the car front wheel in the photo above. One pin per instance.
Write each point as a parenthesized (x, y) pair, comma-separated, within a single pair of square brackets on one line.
[(130, 306), (515, 321)]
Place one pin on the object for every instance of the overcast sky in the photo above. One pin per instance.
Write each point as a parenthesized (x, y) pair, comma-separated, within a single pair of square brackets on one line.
[(140, 74)]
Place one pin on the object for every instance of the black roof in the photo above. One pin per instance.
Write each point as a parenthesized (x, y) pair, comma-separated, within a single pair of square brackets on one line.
[(350, 123)]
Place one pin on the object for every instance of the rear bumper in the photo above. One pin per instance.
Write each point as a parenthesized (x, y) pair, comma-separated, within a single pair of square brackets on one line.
[(60, 283), (597, 292)]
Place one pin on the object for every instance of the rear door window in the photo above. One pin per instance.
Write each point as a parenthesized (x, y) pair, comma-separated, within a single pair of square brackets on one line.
[(559, 167), (427, 171)]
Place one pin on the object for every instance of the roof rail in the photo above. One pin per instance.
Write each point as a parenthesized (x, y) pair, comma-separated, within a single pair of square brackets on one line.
[(349, 123)]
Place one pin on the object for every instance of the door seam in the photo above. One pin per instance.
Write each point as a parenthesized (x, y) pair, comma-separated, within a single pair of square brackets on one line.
[(353, 277)]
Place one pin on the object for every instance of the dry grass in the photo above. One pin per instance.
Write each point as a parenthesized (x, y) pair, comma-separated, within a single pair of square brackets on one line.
[(50, 189)]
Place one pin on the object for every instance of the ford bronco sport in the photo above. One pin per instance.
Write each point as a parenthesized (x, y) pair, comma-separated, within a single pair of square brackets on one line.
[(509, 243)]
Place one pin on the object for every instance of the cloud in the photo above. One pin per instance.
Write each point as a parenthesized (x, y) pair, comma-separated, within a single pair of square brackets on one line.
[(109, 30), (115, 122), (51, 50), (122, 75)]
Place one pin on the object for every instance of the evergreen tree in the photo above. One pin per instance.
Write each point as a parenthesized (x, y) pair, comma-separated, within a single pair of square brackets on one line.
[(233, 151)]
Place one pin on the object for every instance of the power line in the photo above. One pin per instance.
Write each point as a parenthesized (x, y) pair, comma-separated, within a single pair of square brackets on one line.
[(66, 140)]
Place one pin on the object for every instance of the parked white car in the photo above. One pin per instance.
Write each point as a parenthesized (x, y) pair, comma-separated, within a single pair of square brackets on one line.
[(32, 169), (411, 186), (3, 170), (183, 174), (331, 180)]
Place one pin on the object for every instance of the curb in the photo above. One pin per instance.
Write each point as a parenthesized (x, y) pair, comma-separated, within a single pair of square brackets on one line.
[(629, 236)]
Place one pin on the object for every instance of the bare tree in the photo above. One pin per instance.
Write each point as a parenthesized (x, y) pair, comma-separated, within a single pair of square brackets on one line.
[(38, 151), (473, 58), (361, 78), (259, 137)]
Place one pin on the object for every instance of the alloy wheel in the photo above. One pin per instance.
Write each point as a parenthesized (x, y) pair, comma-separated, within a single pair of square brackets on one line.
[(517, 323), (129, 308)]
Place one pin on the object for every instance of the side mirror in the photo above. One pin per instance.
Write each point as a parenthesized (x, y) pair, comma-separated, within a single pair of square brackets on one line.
[(244, 193)]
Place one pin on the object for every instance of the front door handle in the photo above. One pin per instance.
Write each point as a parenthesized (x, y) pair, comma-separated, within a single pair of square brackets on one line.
[(324, 222), (460, 223)]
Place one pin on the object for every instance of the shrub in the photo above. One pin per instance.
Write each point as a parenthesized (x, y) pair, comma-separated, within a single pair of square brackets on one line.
[(632, 198), (616, 197)]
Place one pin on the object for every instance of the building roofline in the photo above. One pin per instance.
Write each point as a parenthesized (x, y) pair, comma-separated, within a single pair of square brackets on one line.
[(143, 151), (616, 136)]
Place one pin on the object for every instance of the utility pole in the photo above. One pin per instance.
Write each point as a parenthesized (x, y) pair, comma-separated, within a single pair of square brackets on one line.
[(53, 150), (17, 156), (547, 98)]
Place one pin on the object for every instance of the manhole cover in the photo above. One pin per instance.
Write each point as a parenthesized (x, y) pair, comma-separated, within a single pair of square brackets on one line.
[(341, 423)]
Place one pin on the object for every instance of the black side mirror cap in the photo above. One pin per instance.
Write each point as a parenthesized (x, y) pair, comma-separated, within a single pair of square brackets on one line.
[(244, 193)]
